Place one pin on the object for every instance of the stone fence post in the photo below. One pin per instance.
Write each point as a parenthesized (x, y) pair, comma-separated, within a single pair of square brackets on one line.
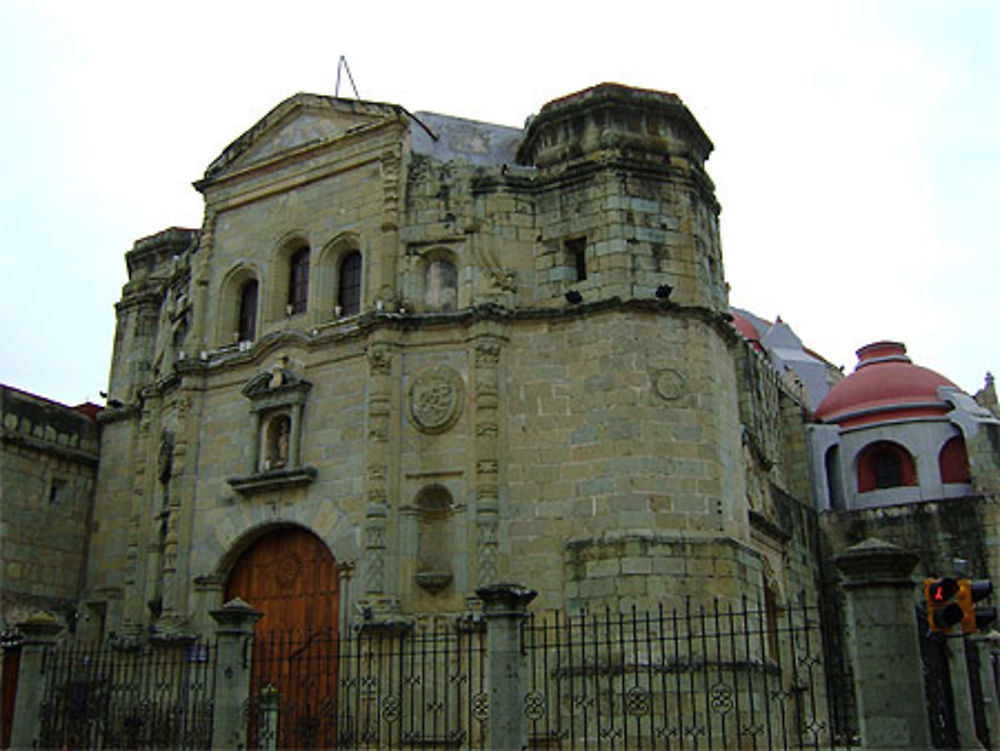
[(885, 653), (505, 606), (39, 633), (234, 635)]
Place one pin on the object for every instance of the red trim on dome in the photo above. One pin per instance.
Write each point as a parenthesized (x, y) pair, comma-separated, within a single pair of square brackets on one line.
[(953, 461), (746, 329), (885, 386)]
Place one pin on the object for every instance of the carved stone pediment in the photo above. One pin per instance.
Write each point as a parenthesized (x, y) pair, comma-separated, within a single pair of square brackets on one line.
[(299, 122), (275, 387)]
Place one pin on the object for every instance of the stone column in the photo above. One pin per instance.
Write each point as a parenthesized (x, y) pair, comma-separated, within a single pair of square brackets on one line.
[(505, 607), (39, 634), (885, 653), (487, 510), (234, 652), (989, 645), (961, 689)]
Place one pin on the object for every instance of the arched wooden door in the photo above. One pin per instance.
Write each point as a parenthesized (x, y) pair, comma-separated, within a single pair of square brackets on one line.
[(290, 576)]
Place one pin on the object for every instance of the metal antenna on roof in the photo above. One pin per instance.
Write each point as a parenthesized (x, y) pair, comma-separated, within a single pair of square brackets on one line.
[(342, 63)]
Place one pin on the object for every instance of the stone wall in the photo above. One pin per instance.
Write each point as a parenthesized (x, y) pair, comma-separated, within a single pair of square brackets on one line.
[(936, 531), (48, 461)]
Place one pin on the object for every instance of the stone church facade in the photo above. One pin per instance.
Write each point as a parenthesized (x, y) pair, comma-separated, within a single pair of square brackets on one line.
[(454, 353), (409, 355)]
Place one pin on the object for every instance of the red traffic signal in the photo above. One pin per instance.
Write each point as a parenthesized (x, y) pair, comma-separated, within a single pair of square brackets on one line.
[(943, 611), (971, 591)]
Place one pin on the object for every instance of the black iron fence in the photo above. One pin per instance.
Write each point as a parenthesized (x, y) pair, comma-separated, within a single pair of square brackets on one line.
[(718, 677), (150, 696), (709, 678)]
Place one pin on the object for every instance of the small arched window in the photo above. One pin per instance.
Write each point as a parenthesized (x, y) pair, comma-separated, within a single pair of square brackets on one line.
[(834, 484), (298, 281), (247, 316), (884, 464), (349, 285), (953, 461), (440, 285)]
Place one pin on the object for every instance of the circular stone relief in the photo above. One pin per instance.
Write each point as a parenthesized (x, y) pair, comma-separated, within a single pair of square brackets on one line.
[(436, 399), (669, 384)]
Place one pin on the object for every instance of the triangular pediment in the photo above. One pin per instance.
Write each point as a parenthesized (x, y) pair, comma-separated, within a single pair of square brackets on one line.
[(298, 122)]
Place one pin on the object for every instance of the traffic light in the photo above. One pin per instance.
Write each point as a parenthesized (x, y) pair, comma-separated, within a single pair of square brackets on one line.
[(943, 611), (971, 591)]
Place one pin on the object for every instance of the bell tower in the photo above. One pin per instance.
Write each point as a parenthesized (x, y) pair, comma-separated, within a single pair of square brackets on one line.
[(625, 205)]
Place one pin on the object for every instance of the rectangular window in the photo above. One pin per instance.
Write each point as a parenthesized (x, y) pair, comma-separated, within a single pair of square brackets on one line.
[(576, 257), (57, 491)]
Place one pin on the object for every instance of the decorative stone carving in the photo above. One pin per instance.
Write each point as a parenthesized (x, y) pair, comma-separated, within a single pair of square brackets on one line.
[(486, 466), (503, 278), (379, 358), (166, 458), (669, 384), (436, 397), (487, 551), (487, 354)]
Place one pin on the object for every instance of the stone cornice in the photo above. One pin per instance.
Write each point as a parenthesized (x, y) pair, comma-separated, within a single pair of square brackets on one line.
[(363, 325), (274, 480), (78, 456)]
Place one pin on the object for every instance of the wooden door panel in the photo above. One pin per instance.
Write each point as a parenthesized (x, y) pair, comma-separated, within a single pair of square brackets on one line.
[(290, 576)]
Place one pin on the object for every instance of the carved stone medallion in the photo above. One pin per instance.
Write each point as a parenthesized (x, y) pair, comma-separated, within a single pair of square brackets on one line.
[(436, 397), (669, 384)]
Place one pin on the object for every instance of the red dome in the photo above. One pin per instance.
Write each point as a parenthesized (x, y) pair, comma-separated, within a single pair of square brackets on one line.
[(746, 329), (884, 386)]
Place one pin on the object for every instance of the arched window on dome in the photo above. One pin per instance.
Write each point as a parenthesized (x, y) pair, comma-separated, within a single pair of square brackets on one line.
[(953, 461), (885, 464), (834, 483)]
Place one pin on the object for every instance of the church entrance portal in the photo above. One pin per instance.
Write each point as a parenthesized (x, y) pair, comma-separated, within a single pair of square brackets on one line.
[(290, 576)]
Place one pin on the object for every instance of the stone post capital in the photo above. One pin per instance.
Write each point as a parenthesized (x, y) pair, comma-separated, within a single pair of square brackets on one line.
[(236, 617), (40, 628), (874, 562), (505, 599)]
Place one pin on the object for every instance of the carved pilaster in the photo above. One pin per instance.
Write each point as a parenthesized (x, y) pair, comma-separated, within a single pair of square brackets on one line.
[(139, 521), (487, 358), (201, 273), (391, 162), (377, 474)]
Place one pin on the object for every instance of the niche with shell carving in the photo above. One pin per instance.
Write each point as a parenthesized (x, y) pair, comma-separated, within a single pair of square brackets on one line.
[(434, 538)]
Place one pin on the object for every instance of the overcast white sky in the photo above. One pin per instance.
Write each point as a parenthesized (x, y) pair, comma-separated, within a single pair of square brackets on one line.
[(857, 144)]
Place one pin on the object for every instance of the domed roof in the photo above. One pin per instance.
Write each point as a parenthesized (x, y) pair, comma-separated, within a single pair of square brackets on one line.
[(747, 330), (886, 385)]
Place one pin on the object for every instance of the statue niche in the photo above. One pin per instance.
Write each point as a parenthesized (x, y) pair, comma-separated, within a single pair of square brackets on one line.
[(277, 401)]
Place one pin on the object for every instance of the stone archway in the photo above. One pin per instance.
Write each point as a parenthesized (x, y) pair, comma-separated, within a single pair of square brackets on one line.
[(290, 575)]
